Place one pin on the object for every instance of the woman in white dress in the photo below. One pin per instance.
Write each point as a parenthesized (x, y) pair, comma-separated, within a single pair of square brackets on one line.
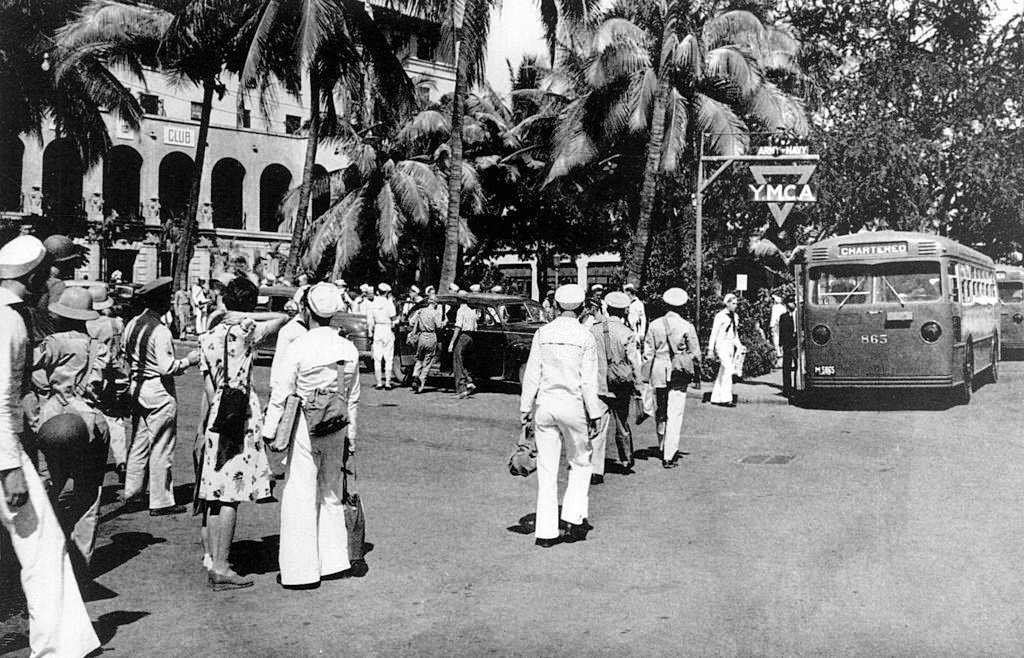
[(724, 344)]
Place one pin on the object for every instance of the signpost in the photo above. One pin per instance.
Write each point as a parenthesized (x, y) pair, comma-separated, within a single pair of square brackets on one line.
[(794, 165)]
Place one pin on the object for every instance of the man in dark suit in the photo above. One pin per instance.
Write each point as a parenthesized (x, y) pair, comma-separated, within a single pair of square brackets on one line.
[(787, 338)]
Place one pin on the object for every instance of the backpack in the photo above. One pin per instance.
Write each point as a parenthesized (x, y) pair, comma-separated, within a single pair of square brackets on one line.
[(620, 372)]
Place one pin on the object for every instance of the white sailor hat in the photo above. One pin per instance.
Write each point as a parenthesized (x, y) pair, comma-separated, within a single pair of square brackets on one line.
[(365, 287), (570, 296), (430, 289), (414, 290), (383, 287), (475, 287), (597, 287), (497, 290), (616, 299), (323, 300), (452, 287), (675, 297), (340, 283), (20, 256)]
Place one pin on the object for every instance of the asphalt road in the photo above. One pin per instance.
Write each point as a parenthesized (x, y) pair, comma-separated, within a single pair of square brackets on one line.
[(894, 529)]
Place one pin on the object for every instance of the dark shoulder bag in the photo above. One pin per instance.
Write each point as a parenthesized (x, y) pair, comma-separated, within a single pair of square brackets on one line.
[(327, 411), (682, 362), (233, 410)]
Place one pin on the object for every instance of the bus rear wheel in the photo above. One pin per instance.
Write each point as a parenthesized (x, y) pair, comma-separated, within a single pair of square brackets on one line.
[(967, 388)]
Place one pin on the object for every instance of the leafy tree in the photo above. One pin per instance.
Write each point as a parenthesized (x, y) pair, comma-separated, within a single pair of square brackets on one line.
[(918, 120), (71, 92), (657, 76), (333, 43)]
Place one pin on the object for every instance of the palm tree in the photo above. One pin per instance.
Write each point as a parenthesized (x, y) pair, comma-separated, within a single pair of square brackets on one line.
[(668, 71), (334, 42), (564, 16), (469, 40), (71, 95), (194, 45), (386, 198)]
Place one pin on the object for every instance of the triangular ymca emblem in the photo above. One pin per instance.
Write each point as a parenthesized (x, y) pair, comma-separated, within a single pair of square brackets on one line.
[(782, 198)]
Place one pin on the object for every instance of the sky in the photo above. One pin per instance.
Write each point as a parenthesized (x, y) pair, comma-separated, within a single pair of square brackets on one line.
[(515, 31)]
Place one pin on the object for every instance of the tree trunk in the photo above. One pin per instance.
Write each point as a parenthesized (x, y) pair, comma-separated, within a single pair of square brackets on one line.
[(545, 261), (636, 262), (312, 144), (451, 234), (189, 223)]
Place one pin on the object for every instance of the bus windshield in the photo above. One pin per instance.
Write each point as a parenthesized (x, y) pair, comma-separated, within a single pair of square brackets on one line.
[(1011, 291), (884, 283)]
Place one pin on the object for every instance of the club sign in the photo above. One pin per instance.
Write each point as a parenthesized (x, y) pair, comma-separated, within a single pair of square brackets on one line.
[(781, 196)]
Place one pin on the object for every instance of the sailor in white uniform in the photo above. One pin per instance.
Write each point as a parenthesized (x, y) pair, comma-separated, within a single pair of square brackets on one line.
[(560, 396)]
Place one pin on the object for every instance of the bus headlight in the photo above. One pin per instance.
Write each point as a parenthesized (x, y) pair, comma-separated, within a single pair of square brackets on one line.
[(930, 332), (821, 334)]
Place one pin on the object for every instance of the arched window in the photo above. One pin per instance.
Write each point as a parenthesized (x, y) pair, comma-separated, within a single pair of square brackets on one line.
[(226, 193), (274, 183), (121, 166), (62, 180), (175, 184)]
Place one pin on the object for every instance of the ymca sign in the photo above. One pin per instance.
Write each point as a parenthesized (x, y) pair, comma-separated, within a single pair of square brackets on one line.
[(781, 197)]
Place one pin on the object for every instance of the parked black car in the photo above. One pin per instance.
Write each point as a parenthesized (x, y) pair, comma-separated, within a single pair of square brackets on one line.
[(501, 343)]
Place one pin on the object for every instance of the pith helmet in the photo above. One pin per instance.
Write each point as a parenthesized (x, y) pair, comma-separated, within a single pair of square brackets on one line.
[(74, 304)]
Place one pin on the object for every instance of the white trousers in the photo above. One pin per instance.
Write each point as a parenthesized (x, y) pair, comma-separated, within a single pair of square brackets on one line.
[(59, 624), (599, 443), (676, 403), (154, 435), (118, 440), (353, 404), (553, 423), (314, 540), (722, 391), (383, 349), (200, 315)]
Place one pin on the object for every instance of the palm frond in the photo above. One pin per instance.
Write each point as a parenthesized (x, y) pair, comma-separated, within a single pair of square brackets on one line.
[(389, 221), (472, 192), (726, 132), (427, 129), (674, 145), (642, 88), (573, 147), (409, 196), (467, 239), (775, 109), (315, 20), (433, 188), (736, 66), (734, 27), (617, 30), (339, 220), (687, 58), (781, 51), (617, 61)]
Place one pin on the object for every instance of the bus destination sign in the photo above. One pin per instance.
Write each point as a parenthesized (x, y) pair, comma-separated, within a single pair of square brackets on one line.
[(873, 249)]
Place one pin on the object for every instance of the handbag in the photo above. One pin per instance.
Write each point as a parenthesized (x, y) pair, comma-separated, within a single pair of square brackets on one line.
[(233, 409), (326, 411), (523, 460)]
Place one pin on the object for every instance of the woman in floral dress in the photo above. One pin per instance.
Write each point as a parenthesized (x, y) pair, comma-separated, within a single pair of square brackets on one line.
[(234, 465)]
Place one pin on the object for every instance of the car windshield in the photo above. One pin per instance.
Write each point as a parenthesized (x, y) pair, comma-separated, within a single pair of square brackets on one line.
[(520, 312), (885, 283), (1011, 291)]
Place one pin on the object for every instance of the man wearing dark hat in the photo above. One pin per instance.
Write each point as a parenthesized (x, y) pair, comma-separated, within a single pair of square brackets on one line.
[(73, 365), (560, 396), (618, 377), (59, 624), (152, 367)]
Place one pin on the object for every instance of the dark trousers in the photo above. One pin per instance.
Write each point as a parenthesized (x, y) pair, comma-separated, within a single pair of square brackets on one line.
[(788, 364), (461, 355), (619, 408)]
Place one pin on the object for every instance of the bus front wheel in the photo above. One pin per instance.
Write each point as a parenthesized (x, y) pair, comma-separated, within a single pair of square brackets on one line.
[(967, 388)]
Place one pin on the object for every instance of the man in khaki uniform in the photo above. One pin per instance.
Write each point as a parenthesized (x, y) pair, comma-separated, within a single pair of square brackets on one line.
[(152, 367)]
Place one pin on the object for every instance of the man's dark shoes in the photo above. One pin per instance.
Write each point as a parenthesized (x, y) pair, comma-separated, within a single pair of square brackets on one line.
[(168, 511), (596, 479), (670, 463), (548, 543), (577, 532)]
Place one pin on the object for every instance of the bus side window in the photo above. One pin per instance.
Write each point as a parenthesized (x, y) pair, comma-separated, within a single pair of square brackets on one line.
[(954, 283)]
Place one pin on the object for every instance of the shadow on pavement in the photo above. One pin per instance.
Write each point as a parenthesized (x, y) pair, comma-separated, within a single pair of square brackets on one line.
[(123, 547), (106, 626), (255, 557), (526, 525)]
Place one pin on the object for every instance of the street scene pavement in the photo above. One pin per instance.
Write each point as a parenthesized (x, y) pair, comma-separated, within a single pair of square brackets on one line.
[(893, 529)]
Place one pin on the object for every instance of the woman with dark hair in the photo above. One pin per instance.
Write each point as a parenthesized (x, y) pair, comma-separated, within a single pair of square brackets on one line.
[(234, 465)]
